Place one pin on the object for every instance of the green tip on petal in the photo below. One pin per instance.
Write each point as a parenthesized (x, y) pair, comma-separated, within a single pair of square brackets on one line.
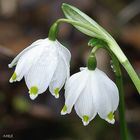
[(110, 116), (56, 92), (85, 120), (64, 110), (14, 77), (33, 90)]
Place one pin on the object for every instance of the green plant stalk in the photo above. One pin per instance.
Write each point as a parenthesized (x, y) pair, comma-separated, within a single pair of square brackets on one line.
[(53, 32), (92, 63), (128, 67), (119, 83), (123, 125), (125, 63)]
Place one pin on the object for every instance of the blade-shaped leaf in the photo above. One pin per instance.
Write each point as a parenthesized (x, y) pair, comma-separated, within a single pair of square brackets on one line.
[(73, 13)]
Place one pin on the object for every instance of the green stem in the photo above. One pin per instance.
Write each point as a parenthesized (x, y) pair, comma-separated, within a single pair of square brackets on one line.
[(113, 46), (119, 83), (123, 125), (131, 72), (92, 63), (53, 32)]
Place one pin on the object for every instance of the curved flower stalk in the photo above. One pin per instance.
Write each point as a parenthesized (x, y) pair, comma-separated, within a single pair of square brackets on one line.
[(44, 63), (91, 92)]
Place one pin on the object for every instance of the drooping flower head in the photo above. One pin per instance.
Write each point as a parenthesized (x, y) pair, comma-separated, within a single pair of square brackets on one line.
[(91, 92), (44, 63)]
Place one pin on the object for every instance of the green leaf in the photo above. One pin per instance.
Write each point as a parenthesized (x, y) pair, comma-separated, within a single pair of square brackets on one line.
[(75, 14)]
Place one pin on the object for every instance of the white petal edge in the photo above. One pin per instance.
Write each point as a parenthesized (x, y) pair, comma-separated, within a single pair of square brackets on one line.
[(110, 121), (32, 96)]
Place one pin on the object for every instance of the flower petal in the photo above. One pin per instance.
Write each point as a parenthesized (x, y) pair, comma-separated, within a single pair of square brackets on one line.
[(59, 78), (82, 68), (84, 106), (107, 98), (41, 72), (73, 89), (111, 89), (25, 62), (65, 52), (66, 56), (15, 60)]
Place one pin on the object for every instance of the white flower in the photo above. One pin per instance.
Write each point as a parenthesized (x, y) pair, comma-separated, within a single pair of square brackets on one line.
[(44, 63), (91, 92)]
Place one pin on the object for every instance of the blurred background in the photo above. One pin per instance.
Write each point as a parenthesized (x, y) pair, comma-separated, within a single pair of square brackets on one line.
[(24, 21)]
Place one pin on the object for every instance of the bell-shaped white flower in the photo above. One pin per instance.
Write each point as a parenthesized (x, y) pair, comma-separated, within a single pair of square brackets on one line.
[(91, 92), (44, 63)]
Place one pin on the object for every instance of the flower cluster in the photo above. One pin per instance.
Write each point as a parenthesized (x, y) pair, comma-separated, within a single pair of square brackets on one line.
[(45, 63), (91, 92)]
